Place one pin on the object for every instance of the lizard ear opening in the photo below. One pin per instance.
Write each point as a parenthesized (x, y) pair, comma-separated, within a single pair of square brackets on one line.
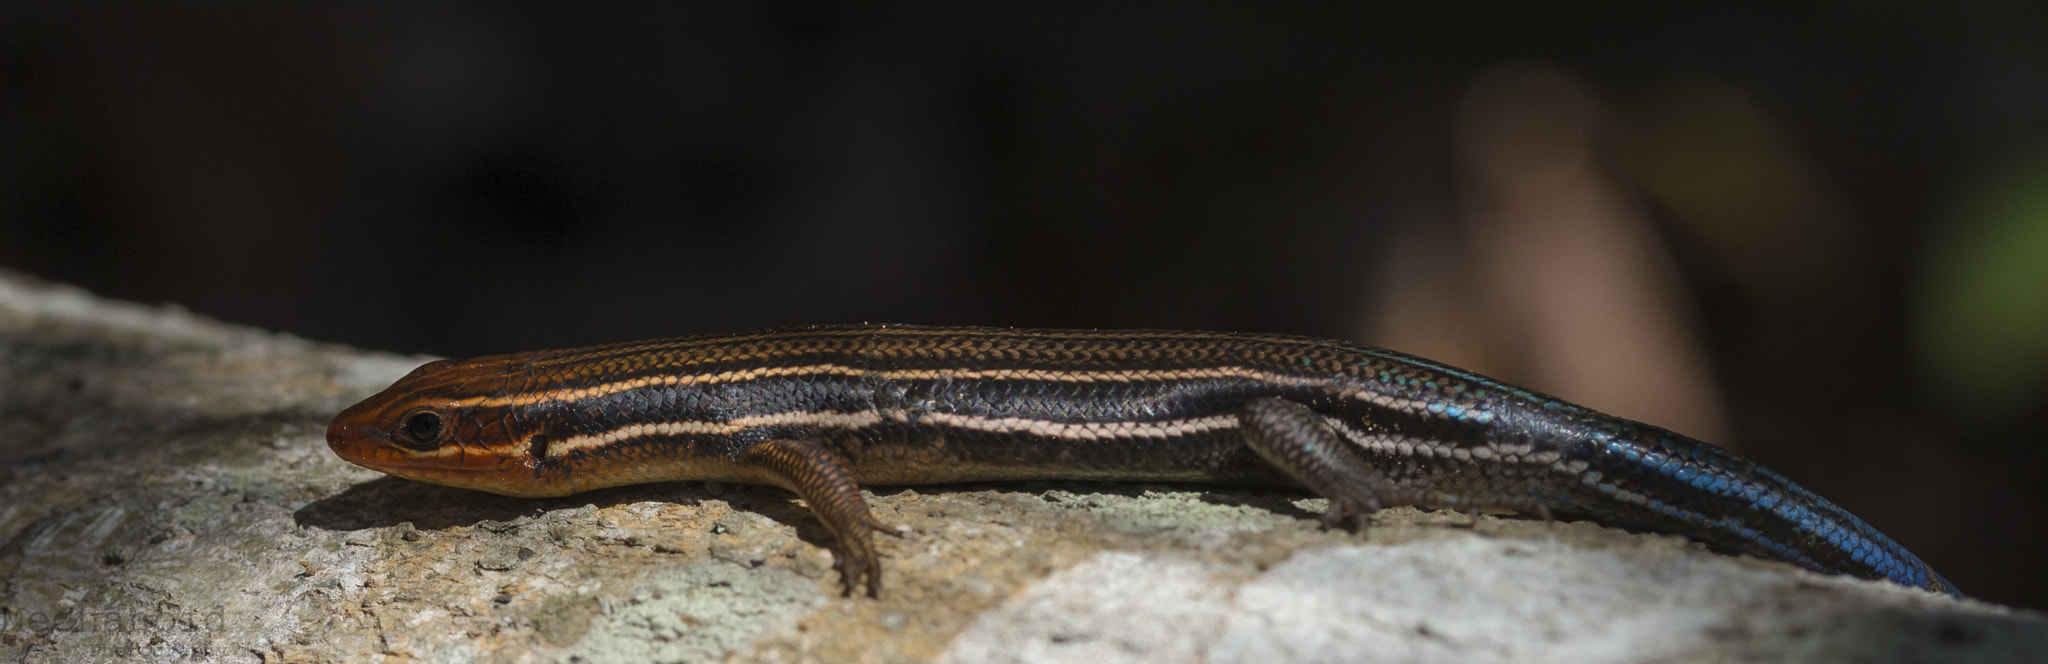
[(537, 447)]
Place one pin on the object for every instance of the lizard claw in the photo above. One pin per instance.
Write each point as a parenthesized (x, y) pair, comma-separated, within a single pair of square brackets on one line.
[(1351, 508)]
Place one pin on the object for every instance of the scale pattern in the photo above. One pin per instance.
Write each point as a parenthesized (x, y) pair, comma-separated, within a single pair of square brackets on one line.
[(822, 410)]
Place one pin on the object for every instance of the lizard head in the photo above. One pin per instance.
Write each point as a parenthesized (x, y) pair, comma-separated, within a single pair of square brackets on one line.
[(438, 425)]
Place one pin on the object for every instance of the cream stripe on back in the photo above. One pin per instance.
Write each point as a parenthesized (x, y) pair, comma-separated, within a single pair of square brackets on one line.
[(1082, 431), (744, 375)]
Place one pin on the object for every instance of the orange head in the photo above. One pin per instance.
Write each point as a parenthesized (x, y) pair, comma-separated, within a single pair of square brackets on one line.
[(437, 425)]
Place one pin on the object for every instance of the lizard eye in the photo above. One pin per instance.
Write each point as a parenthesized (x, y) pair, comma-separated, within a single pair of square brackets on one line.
[(421, 429)]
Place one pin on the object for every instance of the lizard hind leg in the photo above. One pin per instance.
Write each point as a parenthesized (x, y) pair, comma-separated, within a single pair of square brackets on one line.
[(1301, 444), (820, 477)]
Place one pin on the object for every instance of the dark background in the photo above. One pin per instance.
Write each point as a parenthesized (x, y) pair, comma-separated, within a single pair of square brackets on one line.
[(1851, 198)]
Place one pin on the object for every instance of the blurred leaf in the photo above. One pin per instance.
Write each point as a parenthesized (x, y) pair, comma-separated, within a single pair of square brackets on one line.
[(1737, 180), (1983, 295)]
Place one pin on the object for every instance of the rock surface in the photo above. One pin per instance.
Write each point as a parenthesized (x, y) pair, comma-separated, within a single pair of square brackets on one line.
[(166, 495)]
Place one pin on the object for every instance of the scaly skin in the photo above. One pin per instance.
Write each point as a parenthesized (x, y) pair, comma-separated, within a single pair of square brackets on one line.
[(821, 411)]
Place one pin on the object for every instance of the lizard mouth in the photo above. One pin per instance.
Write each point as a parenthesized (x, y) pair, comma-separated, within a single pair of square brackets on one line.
[(456, 465), (371, 448)]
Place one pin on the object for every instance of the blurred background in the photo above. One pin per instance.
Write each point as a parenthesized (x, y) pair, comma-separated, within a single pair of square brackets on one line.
[(1814, 233)]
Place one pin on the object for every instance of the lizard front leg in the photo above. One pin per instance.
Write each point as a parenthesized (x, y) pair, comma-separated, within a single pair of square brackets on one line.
[(820, 477)]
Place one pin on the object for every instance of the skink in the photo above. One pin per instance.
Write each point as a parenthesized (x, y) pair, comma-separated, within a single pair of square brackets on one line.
[(821, 411)]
